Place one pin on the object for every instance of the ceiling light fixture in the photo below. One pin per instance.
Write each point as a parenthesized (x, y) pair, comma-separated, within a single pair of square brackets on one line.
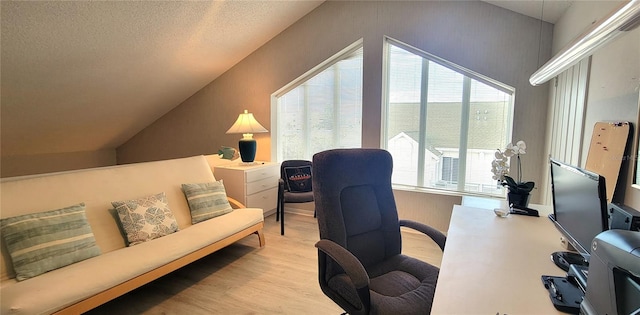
[(621, 20)]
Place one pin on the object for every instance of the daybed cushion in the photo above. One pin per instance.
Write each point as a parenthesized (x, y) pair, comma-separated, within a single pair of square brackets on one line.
[(206, 200), (41, 242), (97, 188), (55, 290), (146, 218)]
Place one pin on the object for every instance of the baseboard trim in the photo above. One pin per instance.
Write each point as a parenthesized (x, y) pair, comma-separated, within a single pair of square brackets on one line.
[(298, 211)]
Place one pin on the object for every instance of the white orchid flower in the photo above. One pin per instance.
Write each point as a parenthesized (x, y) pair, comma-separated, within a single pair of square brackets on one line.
[(508, 151), (500, 165), (520, 147)]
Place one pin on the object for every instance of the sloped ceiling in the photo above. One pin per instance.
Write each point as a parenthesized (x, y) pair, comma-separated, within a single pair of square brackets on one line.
[(88, 75), (548, 11)]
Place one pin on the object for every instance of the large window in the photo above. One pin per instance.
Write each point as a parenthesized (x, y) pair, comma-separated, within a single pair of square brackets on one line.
[(321, 110), (443, 123)]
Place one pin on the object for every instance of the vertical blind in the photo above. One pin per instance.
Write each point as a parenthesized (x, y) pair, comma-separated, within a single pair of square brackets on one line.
[(322, 112)]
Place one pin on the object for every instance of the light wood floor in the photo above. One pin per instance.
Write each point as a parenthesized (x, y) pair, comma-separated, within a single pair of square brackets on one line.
[(280, 278)]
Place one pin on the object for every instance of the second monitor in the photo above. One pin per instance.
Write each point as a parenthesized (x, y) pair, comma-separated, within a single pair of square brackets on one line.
[(579, 209)]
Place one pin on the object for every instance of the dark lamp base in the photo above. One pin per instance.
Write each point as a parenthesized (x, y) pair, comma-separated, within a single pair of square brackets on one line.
[(247, 150)]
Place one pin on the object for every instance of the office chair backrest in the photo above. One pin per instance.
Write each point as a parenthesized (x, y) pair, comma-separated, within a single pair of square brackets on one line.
[(355, 203)]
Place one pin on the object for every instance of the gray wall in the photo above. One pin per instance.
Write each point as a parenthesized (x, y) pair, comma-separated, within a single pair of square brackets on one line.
[(55, 162), (614, 81), (484, 38)]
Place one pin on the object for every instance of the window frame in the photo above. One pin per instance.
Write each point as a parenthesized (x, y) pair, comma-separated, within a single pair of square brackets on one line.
[(342, 54), (468, 76)]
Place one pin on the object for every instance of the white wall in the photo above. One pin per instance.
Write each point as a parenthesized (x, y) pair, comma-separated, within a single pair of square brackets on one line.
[(613, 82)]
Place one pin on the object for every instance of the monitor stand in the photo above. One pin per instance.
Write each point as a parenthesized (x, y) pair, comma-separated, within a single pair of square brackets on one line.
[(565, 259)]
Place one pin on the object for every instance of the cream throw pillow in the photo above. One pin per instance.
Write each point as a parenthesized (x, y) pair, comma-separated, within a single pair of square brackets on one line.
[(146, 218)]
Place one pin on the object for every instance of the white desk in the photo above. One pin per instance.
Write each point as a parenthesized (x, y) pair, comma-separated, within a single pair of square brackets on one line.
[(493, 265)]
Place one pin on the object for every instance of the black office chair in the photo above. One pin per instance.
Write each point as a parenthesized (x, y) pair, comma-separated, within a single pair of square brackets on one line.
[(294, 186), (360, 264)]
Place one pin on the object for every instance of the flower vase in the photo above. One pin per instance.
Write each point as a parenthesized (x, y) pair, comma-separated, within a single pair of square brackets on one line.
[(518, 199)]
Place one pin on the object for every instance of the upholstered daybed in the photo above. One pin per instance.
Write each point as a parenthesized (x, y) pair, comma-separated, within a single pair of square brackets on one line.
[(117, 268)]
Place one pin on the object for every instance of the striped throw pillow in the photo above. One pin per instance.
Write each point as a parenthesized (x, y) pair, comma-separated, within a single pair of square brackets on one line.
[(146, 218), (206, 200), (41, 242)]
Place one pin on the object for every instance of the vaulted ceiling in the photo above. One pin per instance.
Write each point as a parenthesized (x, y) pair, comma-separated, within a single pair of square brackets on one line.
[(88, 75)]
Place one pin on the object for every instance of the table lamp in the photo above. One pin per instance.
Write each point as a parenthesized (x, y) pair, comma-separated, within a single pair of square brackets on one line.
[(247, 125)]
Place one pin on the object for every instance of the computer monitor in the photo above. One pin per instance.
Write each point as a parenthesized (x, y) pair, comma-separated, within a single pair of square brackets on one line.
[(579, 205)]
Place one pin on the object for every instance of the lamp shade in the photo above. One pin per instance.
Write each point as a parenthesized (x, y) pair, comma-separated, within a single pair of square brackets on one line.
[(246, 123)]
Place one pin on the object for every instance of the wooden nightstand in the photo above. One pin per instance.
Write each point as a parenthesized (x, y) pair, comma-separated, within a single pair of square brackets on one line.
[(255, 185)]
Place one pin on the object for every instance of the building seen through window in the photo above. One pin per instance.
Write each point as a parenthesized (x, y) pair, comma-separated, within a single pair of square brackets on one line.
[(443, 123)]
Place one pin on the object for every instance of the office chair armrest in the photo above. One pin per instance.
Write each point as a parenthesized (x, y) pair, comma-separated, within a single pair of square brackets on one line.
[(434, 234), (347, 261)]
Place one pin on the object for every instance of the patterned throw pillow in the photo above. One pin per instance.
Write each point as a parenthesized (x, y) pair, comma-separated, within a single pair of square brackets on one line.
[(41, 242), (298, 178), (206, 201), (146, 218)]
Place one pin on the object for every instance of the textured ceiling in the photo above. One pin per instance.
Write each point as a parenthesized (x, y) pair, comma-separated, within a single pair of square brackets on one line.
[(88, 75), (550, 10)]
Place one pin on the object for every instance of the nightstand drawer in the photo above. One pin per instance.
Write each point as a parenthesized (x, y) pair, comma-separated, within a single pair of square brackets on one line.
[(260, 185), (252, 175), (266, 200), (254, 185)]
